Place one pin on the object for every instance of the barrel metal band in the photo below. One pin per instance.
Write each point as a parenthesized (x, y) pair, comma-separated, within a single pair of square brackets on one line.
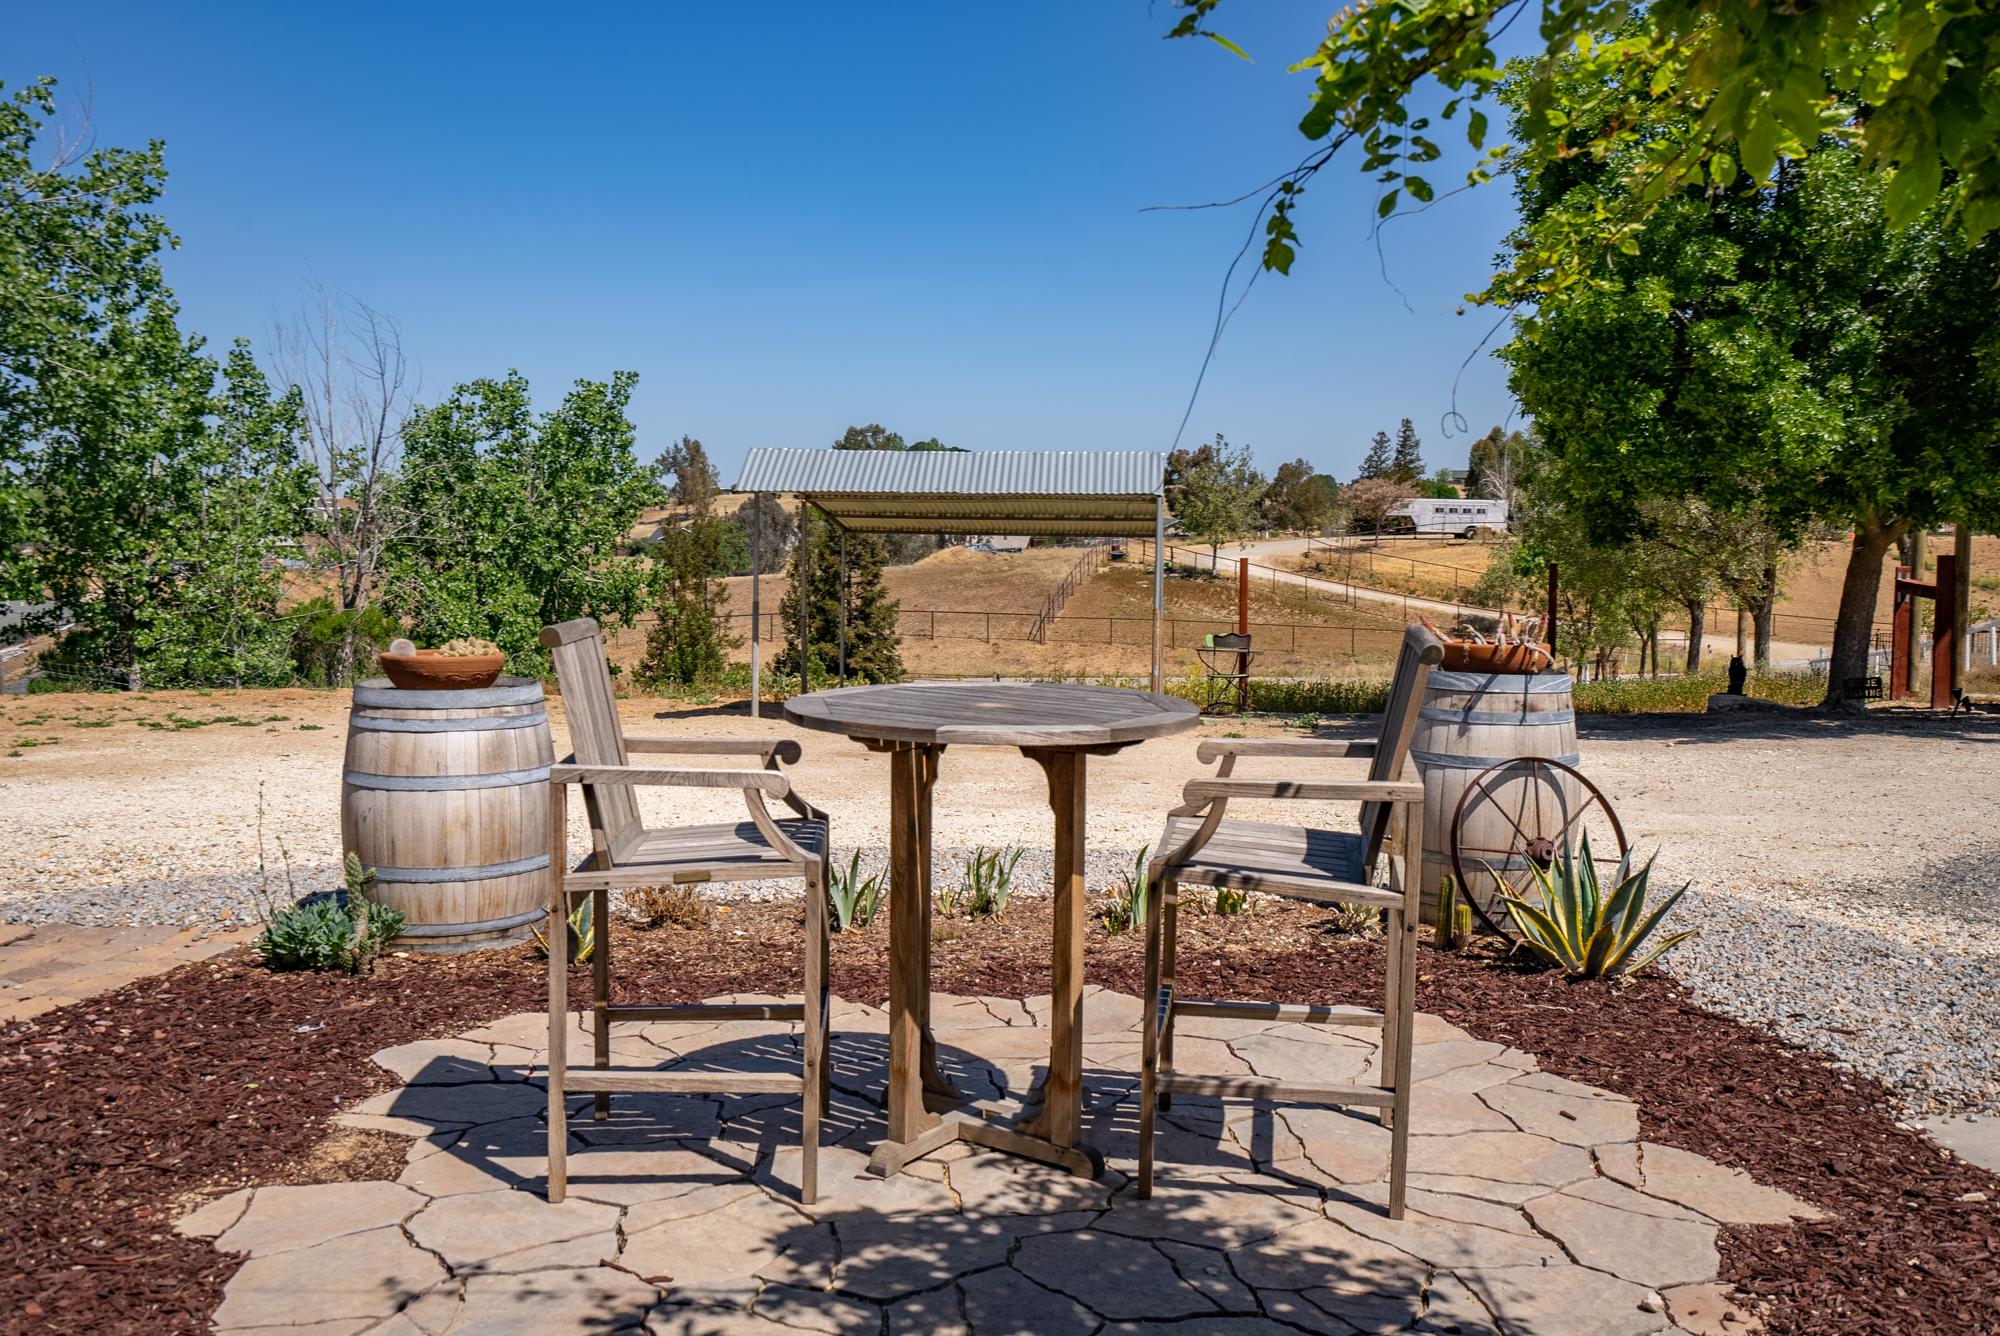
[(1440, 714), (376, 693), (499, 779), (1449, 762), (1539, 684), (368, 723), (479, 873), (466, 929)]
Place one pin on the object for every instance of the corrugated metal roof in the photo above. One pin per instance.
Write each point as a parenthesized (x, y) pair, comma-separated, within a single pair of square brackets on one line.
[(991, 474)]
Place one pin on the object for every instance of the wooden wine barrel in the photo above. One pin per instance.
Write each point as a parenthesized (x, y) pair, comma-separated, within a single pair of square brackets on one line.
[(445, 795), (1469, 721)]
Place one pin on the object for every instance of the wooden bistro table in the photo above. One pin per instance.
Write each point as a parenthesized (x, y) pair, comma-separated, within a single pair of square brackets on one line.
[(1057, 726)]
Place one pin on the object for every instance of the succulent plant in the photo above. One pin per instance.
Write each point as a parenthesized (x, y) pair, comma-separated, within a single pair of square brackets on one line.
[(1584, 931)]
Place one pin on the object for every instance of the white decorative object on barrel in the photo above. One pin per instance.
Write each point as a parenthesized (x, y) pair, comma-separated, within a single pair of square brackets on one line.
[(445, 795), (1470, 721)]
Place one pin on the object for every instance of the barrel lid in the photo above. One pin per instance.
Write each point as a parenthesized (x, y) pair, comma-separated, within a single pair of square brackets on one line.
[(380, 693)]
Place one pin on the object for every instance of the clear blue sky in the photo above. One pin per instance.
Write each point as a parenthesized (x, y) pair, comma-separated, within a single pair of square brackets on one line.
[(788, 218)]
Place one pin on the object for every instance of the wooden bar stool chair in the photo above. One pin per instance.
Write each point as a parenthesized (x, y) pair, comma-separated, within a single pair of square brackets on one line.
[(1201, 846), (626, 852)]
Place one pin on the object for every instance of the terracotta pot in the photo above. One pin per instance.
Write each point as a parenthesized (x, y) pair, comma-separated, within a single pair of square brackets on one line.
[(1467, 656), (428, 670)]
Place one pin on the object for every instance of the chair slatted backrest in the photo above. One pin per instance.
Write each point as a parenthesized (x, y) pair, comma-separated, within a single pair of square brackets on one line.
[(594, 731), (1421, 651)]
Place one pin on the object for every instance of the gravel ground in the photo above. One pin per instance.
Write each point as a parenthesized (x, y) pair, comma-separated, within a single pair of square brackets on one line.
[(1845, 874)]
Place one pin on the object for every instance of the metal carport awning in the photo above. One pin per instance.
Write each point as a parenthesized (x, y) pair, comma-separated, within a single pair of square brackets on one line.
[(1042, 493)]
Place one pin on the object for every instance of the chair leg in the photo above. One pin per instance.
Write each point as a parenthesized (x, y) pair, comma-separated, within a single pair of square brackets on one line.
[(600, 992), (1392, 981), (557, 933), (815, 1010), (1403, 1022), (1149, 1051), (1170, 924)]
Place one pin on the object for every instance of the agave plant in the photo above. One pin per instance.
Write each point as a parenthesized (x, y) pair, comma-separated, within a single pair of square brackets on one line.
[(1581, 929), (855, 901)]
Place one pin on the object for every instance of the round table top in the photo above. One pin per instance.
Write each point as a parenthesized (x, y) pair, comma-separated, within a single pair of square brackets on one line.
[(994, 714)]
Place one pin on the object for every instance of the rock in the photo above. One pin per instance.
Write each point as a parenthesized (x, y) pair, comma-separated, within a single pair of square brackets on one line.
[(282, 1219), (516, 1231), (1611, 1229), (366, 1275)]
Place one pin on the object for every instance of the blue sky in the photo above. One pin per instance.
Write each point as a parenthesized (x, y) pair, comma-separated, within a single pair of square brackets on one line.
[(788, 218)]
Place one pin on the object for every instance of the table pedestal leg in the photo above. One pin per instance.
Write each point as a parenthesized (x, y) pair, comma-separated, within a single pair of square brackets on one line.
[(909, 947), (1061, 1117), (939, 1093)]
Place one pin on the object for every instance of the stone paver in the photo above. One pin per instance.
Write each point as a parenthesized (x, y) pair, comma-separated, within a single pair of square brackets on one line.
[(1533, 1206), (1728, 1195), (49, 965)]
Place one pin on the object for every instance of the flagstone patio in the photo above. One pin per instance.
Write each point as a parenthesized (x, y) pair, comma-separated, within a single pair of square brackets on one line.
[(1535, 1210)]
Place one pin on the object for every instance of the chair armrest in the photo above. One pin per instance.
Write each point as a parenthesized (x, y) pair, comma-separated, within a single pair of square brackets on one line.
[(1210, 751), (1199, 792), (785, 749), (764, 781)]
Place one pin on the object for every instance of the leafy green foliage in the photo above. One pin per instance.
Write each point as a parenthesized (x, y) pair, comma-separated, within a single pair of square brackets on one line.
[(855, 899), (143, 488), (1128, 905), (1577, 926), (1690, 93), (1300, 498), (518, 518), (580, 935), (694, 482), (322, 633), (1230, 901), (1218, 496), (688, 645), (984, 885), (873, 642), (330, 933), (1407, 464)]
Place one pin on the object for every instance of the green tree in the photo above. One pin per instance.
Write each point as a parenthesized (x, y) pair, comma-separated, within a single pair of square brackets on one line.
[(873, 643), (776, 529), (1378, 462), (874, 436), (689, 644), (135, 496), (1299, 498), (219, 623), (1438, 485), (519, 517), (1407, 465), (694, 483), (1779, 348), (1219, 496), (896, 549), (1494, 463), (1684, 92)]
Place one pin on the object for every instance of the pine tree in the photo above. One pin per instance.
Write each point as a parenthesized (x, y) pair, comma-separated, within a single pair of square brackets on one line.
[(1408, 465), (873, 648), (689, 645), (1376, 463), (694, 482)]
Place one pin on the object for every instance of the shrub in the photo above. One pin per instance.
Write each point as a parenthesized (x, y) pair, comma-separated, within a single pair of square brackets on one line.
[(1128, 906), (1583, 931), (1351, 920), (669, 906), (329, 933), (984, 886), (320, 630), (854, 901)]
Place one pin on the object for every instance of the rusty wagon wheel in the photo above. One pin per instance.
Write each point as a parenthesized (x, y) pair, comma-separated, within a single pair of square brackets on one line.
[(1517, 815)]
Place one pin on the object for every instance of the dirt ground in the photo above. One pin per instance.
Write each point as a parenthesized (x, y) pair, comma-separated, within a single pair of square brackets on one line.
[(102, 789)]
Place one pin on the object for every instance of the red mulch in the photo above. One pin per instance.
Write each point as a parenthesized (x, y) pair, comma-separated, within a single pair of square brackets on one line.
[(119, 1113)]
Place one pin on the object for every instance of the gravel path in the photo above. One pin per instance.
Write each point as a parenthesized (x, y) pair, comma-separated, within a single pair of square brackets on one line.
[(1847, 875)]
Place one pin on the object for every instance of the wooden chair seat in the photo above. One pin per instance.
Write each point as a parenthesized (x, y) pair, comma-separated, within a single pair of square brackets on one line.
[(732, 852), (1324, 866)]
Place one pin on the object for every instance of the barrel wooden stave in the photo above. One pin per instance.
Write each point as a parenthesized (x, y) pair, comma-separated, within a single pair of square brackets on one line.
[(1468, 722), (444, 794)]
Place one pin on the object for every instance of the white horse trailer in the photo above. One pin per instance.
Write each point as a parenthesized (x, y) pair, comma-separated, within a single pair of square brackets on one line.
[(1461, 516)]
